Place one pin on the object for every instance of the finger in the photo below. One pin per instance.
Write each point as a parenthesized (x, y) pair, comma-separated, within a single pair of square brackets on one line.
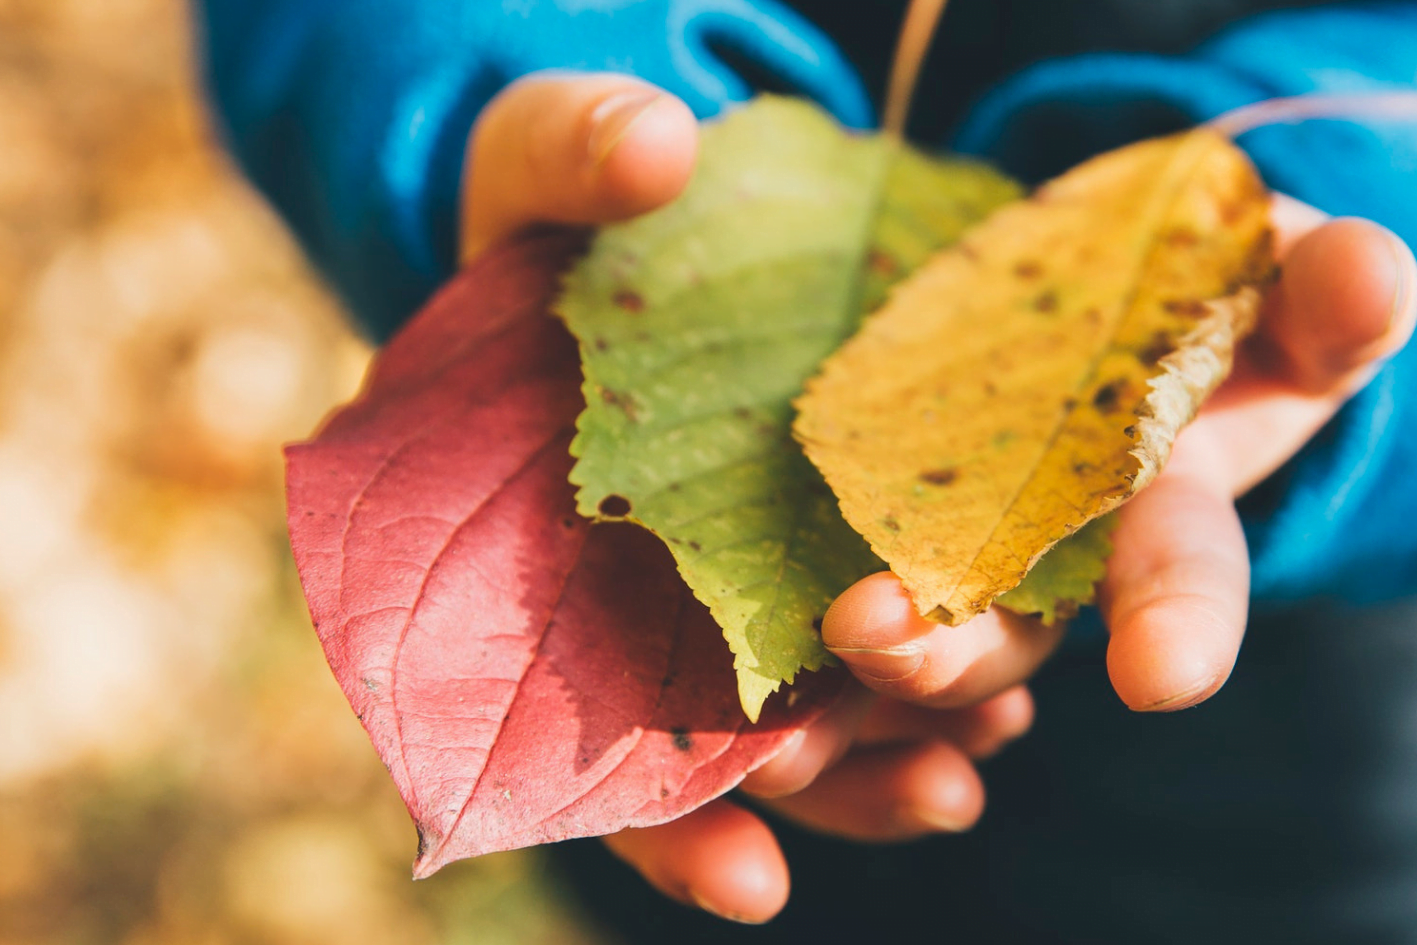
[(1345, 301), (980, 731), (813, 749), (720, 858), (1177, 588), (894, 792), (874, 629), (573, 149)]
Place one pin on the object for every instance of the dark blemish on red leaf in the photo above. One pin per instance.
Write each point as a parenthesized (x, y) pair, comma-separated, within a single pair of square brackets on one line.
[(614, 506), (1191, 308), (1028, 269), (630, 301), (1108, 394), (663, 793), (682, 740), (939, 477), (890, 523), (1046, 302), (624, 402), (568, 522)]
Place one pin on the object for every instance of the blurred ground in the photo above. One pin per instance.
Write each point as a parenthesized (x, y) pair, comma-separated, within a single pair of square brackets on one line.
[(176, 763)]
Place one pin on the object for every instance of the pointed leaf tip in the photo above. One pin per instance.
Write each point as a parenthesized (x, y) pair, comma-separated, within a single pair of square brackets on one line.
[(525, 676)]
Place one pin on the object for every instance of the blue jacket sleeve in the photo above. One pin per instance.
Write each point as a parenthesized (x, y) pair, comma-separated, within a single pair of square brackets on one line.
[(353, 115), (1341, 518)]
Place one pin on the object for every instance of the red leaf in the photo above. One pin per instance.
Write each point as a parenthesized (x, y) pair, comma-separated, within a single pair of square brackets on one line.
[(525, 676)]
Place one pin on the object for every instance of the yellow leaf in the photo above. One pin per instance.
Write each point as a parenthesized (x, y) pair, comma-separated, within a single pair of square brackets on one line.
[(1034, 376)]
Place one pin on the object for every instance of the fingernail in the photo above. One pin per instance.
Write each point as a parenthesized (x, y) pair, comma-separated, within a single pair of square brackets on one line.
[(1181, 700), (882, 665), (712, 909), (613, 118), (1402, 298), (945, 823)]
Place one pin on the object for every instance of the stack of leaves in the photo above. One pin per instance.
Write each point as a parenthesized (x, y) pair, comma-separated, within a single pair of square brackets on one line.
[(529, 676)]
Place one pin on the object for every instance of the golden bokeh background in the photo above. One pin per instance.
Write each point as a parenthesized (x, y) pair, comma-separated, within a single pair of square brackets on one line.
[(176, 763)]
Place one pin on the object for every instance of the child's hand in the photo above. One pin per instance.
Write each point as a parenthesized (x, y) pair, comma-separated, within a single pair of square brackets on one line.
[(592, 149), (573, 149), (1177, 589)]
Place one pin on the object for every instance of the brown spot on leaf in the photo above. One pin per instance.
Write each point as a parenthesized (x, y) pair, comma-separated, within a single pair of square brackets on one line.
[(881, 263), (1129, 431), (696, 546), (1157, 348), (625, 403), (1190, 308), (1108, 395), (1181, 236), (890, 523), (742, 413), (1028, 269), (630, 300), (614, 506), (939, 477), (1046, 301)]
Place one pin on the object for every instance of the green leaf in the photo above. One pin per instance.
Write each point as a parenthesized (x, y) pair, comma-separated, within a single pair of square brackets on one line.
[(698, 325), (1066, 577)]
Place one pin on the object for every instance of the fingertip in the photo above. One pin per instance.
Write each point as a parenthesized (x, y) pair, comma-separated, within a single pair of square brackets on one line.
[(720, 858), (943, 788), (813, 749), (1007, 716), (874, 612), (650, 158), (1345, 299), (1171, 655)]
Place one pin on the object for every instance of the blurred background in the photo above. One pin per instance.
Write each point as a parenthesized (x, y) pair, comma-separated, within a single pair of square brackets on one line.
[(176, 762)]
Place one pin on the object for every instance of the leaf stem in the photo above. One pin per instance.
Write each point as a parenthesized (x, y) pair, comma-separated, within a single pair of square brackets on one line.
[(1298, 108), (916, 34)]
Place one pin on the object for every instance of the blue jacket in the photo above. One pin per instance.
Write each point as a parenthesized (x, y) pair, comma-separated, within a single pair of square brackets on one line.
[(353, 115)]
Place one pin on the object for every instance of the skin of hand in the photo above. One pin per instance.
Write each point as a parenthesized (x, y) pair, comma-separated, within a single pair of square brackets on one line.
[(895, 759)]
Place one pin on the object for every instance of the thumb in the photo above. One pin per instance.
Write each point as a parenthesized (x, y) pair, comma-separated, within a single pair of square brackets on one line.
[(573, 149)]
